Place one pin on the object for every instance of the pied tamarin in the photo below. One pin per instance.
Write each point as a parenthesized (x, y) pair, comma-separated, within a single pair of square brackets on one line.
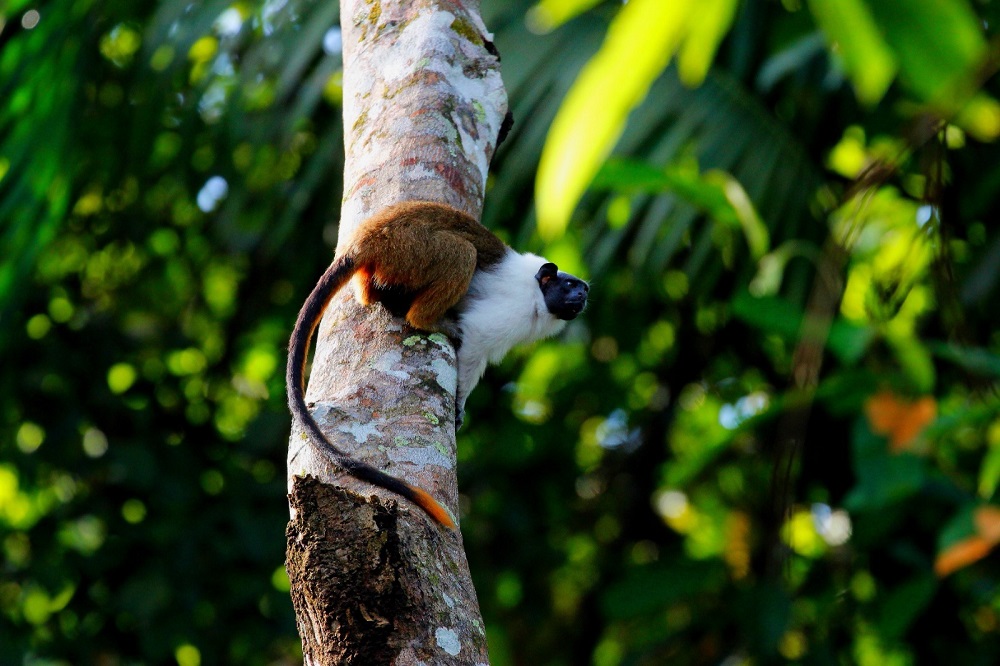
[(448, 273)]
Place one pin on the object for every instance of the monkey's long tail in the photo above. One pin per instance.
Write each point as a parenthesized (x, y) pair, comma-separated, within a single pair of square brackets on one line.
[(335, 277)]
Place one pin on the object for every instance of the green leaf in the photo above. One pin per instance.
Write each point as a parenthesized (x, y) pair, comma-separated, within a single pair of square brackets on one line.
[(758, 239), (767, 610), (707, 27), (961, 526), (717, 193), (939, 46), (775, 315), (883, 477), (640, 42), (696, 439), (854, 38), (548, 15), (651, 589), (976, 360), (980, 117), (771, 267), (901, 605), (914, 359), (989, 473)]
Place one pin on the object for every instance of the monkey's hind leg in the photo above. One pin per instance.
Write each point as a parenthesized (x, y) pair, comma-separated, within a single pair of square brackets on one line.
[(444, 290)]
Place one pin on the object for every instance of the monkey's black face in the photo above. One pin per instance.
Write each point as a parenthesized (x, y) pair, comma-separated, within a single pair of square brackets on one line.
[(565, 295)]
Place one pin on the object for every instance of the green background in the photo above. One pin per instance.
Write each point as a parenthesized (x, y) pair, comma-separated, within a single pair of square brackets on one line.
[(664, 484)]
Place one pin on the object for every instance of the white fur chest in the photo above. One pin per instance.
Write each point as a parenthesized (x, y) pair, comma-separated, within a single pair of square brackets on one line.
[(505, 308)]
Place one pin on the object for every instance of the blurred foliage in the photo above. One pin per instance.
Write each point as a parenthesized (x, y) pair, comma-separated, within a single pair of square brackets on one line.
[(773, 438)]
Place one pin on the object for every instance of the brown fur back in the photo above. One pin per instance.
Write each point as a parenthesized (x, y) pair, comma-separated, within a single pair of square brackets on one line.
[(402, 230), (426, 249)]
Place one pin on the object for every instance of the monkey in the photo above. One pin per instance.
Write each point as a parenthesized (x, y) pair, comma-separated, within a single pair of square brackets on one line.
[(445, 272)]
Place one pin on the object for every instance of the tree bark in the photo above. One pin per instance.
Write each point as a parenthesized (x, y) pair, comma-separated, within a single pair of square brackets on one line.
[(374, 580)]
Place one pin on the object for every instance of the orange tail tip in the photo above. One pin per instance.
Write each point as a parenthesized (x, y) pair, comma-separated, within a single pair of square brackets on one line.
[(433, 508)]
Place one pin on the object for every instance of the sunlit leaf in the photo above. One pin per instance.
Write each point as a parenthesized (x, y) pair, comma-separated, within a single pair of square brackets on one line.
[(980, 117), (29, 437), (121, 376), (548, 15), (849, 157), (707, 27), (640, 41), (203, 49), (800, 533), (989, 473), (187, 655), (854, 38), (120, 44)]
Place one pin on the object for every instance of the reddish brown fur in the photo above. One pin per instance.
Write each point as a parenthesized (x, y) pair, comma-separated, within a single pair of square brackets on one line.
[(429, 250)]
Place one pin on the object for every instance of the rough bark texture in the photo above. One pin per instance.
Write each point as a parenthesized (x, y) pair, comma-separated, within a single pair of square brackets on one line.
[(374, 581)]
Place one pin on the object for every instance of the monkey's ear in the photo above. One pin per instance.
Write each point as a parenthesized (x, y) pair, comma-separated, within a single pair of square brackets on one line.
[(546, 273)]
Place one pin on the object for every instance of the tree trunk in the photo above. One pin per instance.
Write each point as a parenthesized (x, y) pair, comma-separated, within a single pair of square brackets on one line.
[(374, 581)]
